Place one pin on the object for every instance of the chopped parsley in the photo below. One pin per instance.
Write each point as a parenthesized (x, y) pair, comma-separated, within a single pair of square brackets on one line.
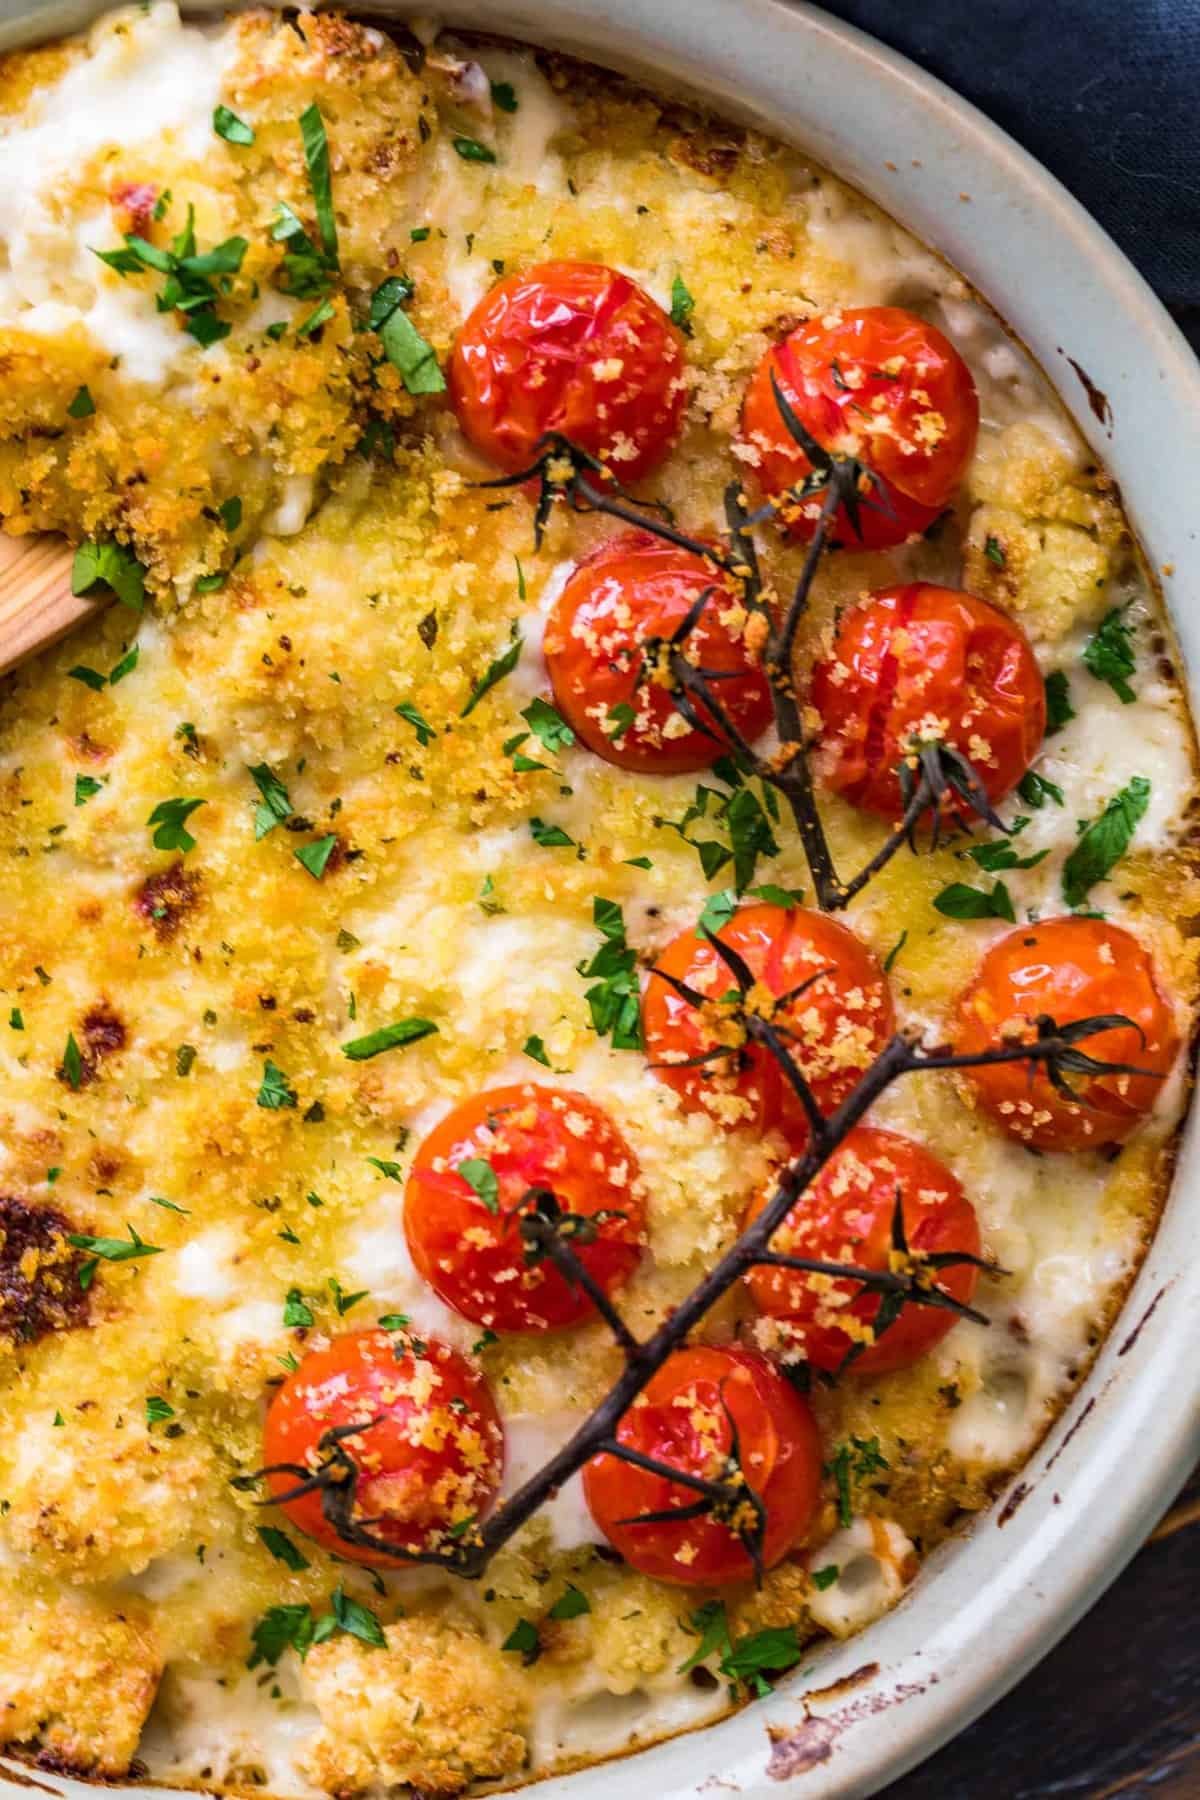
[(194, 281), (682, 305), (524, 1641), (185, 1057), (889, 960), (16, 1019), (230, 513), (851, 1464), (282, 1548), (227, 125), (549, 835), (296, 1310), (390, 1170), (342, 1301), (72, 1063), (958, 901), (746, 820), (109, 565), (1104, 841), (480, 1177), (281, 1628), (499, 667), (1109, 654), (471, 150), (106, 1249), (614, 1000), (276, 804), (126, 666), (1035, 790), (410, 355), (86, 787), (534, 1048), (419, 723), (388, 1037), (158, 1409), (572, 1603), (825, 1578), (82, 406), (746, 1661), (504, 96), (316, 156), (315, 856), (548, 725), (993, 549), (618, 719), (998, 853), (1059, 711), (275, 1093), (171, 832)]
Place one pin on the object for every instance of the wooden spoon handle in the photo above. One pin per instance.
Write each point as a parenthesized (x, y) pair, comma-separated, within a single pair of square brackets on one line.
[(37, 606)]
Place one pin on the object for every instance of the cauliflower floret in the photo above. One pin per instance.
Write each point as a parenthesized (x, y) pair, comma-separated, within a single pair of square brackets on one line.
[(96, 1502), (76, 1679), (439, 1708)]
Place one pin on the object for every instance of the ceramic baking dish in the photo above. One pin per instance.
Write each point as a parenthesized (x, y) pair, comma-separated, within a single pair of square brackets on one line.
[(990, 1602)]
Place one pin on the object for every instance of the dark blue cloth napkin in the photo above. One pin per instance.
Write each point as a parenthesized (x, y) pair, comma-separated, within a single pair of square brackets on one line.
[(1105, 93)]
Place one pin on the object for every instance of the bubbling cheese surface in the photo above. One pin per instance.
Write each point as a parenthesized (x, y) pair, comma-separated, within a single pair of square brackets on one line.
[(360, 585)]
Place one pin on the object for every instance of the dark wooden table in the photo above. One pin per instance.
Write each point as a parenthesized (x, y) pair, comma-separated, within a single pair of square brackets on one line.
[(1113, 1711)]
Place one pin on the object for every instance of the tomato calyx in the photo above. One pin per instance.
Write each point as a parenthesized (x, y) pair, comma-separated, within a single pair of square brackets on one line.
[(929, 774), (550, 1233), (846, 481), (748, 1013), (335, 1478), (727, 1496), (1069, 1060), (909, 1280), (566, 471)]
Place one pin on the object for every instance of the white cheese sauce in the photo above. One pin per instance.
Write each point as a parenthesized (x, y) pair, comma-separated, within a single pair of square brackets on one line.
[(145, 78)]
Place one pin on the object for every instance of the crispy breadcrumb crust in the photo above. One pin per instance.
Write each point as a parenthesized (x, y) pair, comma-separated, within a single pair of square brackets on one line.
[(435, 1710)]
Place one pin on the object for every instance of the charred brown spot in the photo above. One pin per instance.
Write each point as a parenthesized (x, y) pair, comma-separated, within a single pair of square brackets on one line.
[(39, 1273), (86, 749), (101, 1034), (166, 899)]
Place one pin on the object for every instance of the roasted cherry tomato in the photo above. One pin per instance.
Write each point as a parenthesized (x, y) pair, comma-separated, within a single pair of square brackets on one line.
[(430, 1451), (822, 988), (847, 1216), (688, 1416), (876, 383), (921, 664), (573, 347), (1067, 969), (472, 1179), (604, 650)]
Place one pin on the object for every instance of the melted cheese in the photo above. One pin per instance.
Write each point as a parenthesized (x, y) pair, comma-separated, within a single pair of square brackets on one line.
[(145, 77)]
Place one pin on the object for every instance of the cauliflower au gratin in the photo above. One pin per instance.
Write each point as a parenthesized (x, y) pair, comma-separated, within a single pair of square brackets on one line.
[(367, 813)]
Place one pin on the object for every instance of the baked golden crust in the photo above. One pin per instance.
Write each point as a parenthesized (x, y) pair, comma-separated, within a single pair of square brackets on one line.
[(77, 1679), (435, 1710)]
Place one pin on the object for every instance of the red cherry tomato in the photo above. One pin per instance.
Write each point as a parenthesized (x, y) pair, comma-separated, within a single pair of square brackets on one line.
[(877, 383), (633, 589), (834, 1028), (683, 1418), (923, 664), (846, 1216), (464, 1235), (430, 1451), (1067, 969), (573, 347)]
